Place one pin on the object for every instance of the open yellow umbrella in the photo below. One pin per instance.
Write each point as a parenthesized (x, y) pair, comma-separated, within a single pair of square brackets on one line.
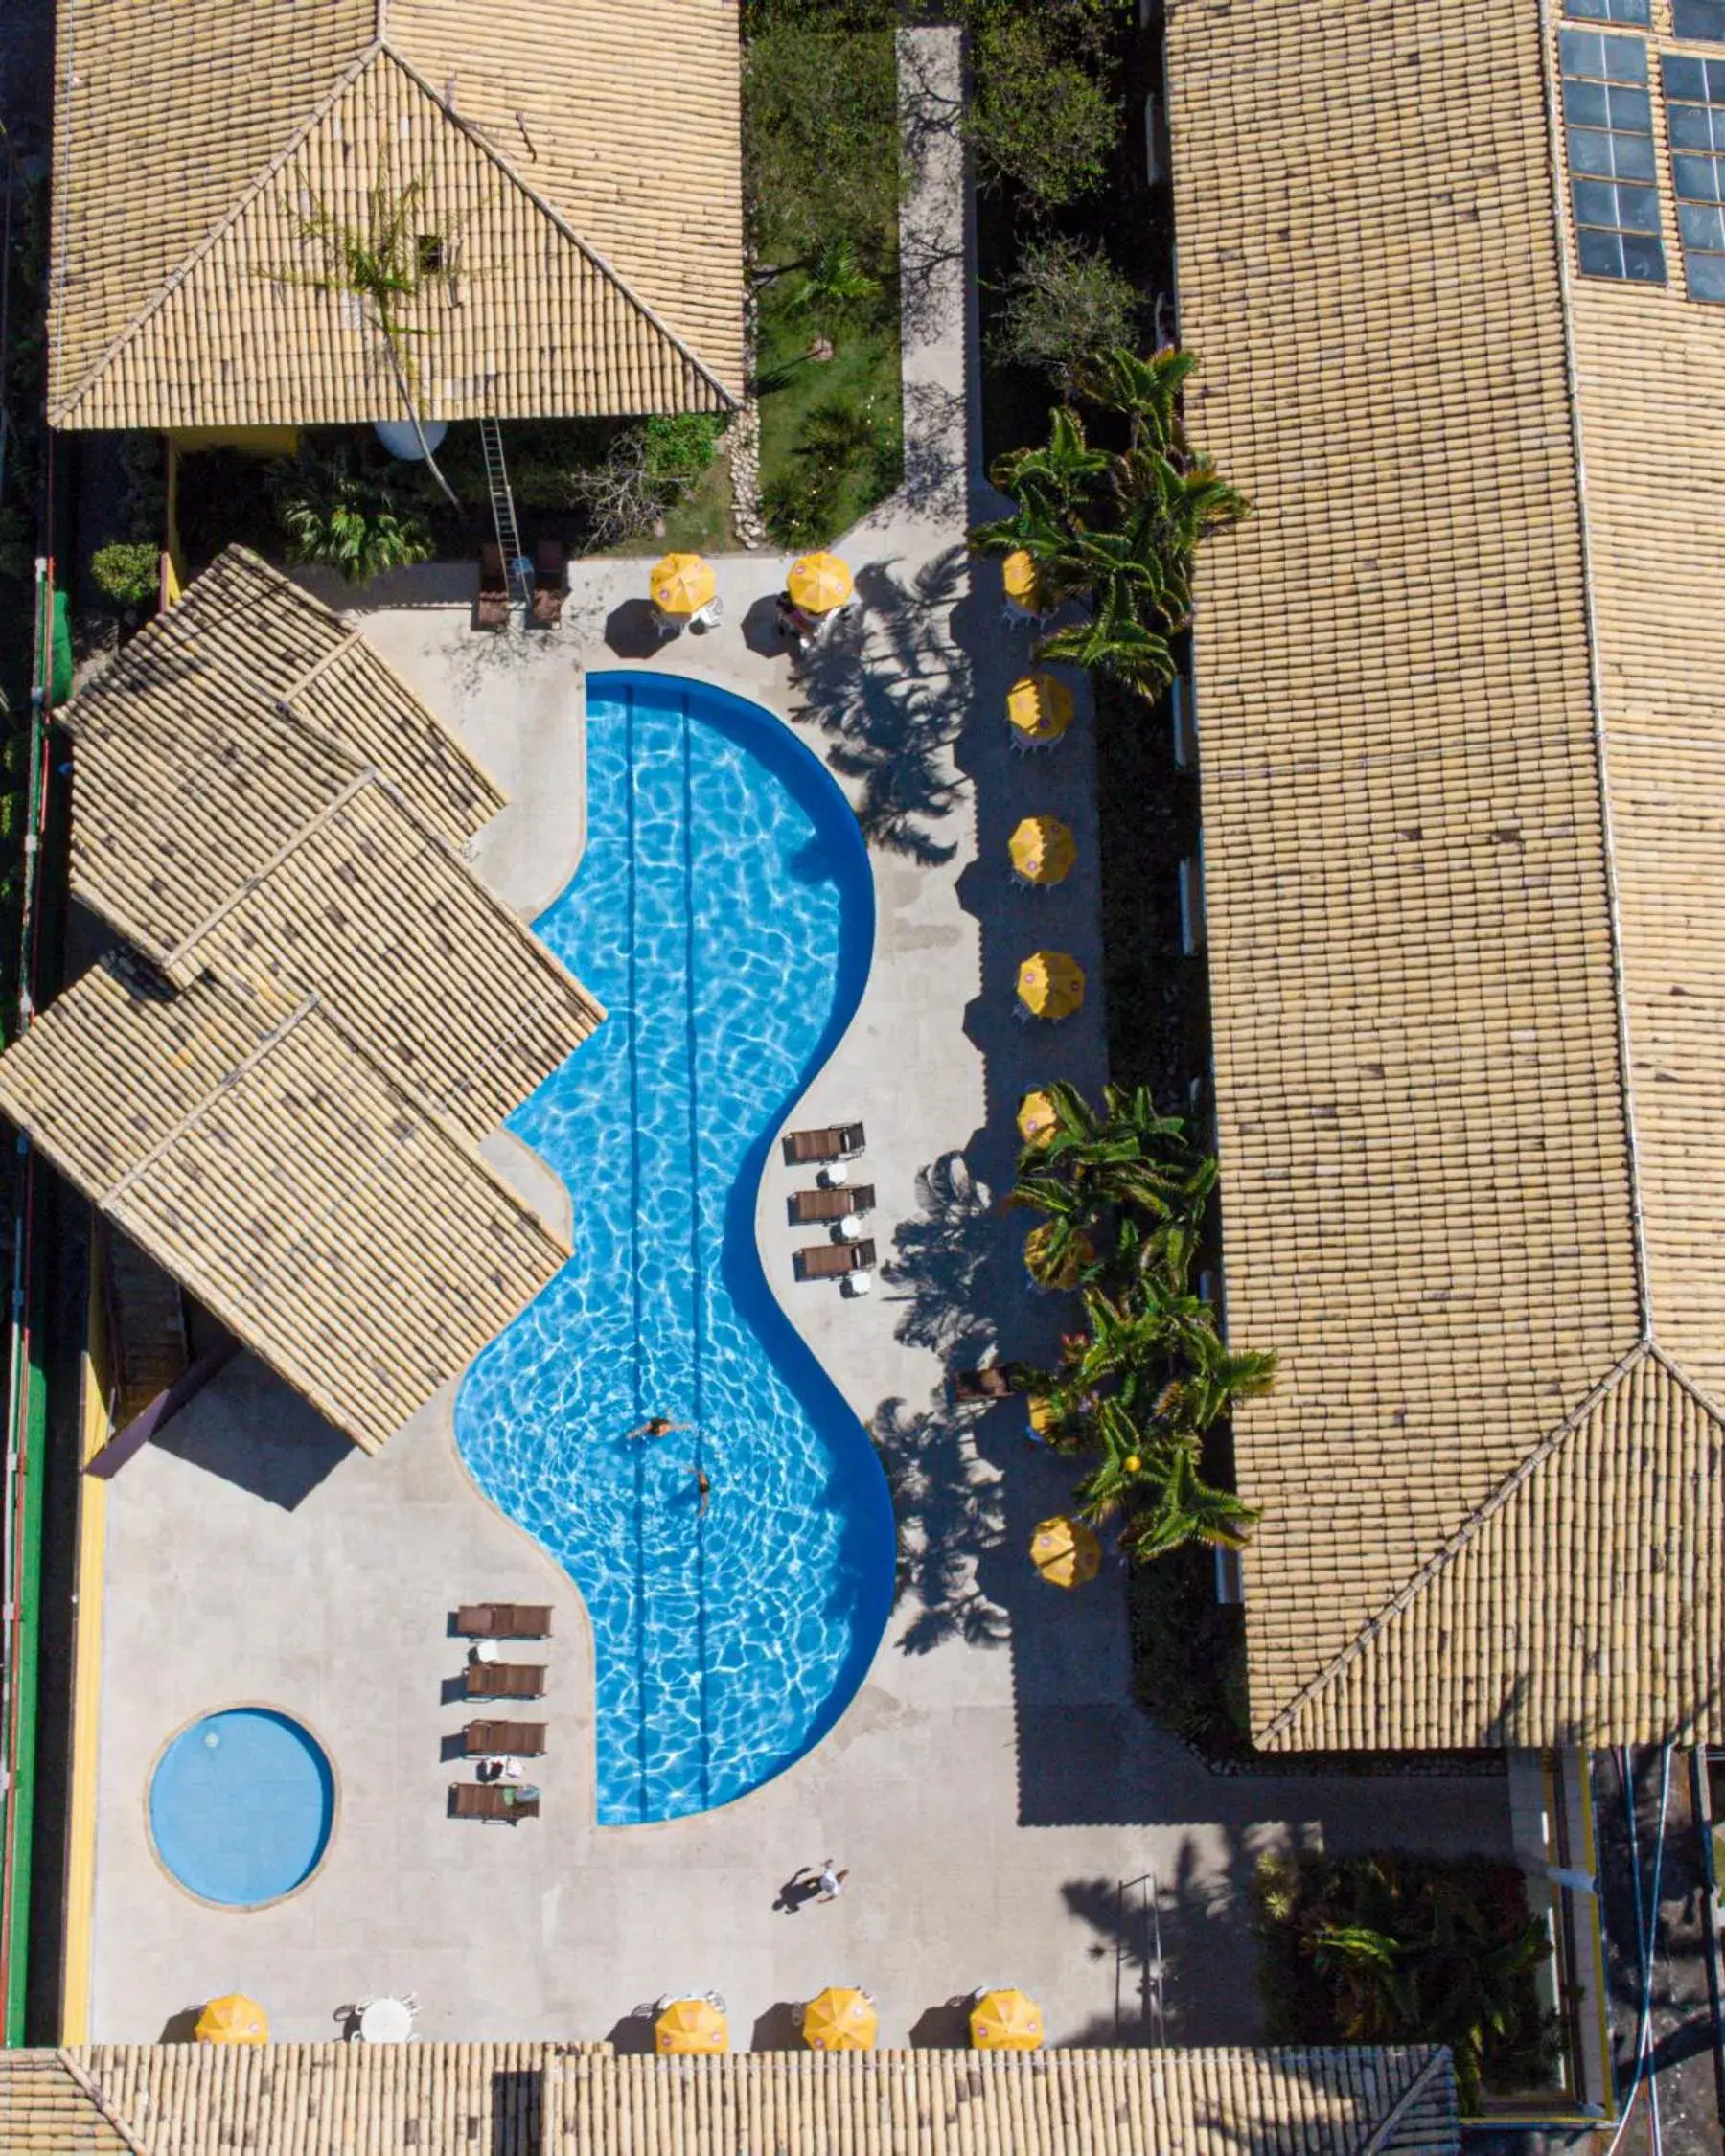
[(1050, 984), (1044, 1416), (1080, 1252), (682, 583), (1037, 1121), (1018, 573), (691, 2024), (1042, 850), (1006, 2021), (233, 2020), (840, 2020), (1065, 1551), (819, 583), (1039, 707)]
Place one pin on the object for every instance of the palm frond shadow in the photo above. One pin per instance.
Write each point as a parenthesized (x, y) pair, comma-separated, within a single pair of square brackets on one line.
[(884, 684), (943, 1260), (950, 1511)]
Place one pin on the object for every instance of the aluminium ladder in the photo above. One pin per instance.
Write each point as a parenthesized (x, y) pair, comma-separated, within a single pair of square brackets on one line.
[(503, 513)]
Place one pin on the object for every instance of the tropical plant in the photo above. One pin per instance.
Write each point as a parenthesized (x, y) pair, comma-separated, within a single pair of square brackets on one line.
[(337, 512), (126, 572), (1117, 531), (835, 286), (1180, 1506), (1063, 302), (384, 266)]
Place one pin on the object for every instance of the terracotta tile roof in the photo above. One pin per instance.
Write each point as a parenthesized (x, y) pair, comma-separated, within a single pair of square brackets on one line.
[(227, 725), (583, 173), (1446, 881), (550, 2100), (249, 1144)]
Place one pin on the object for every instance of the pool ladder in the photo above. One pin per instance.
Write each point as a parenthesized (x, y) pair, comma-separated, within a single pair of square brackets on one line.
[(503, 511)]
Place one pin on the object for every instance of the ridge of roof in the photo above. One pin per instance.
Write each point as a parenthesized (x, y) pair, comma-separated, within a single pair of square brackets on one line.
[(1443, 1557), (477, 135), (58, 408), (89, 2087)]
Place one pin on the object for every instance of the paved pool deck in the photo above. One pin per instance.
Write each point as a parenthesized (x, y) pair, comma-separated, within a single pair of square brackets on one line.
[(1005, 1811)]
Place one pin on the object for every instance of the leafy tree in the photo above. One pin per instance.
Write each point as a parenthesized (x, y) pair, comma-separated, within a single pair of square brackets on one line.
[(344, 516), (821, 136), (1064, 301), (1043, 116)]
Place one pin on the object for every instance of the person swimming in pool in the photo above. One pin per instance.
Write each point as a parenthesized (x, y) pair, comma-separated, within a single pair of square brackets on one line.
[(655, 1426), (703, 1490)]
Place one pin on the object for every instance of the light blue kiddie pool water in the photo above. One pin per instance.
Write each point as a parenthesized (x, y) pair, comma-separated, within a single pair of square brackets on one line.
[(241, 1806), (723, 911)]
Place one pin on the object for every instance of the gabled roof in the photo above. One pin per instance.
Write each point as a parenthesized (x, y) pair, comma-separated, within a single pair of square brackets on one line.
[(1464, 777), (245, 1141), (580, 168), (566, 2100)]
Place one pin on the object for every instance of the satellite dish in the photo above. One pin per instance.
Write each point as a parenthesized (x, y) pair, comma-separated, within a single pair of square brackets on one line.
[(401, 440)]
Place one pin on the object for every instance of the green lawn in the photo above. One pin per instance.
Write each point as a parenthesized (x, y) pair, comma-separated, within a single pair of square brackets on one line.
[(862, 375)]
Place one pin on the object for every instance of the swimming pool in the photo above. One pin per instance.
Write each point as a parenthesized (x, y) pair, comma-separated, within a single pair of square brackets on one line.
[(241, 1806), (725, 912)]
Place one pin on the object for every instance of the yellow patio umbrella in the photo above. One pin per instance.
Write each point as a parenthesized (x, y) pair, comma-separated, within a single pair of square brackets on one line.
[(691, 2024), (1006, 2021), (233, 2020), (1037, 1121), (1042, 850), (1018, 573), (1065, 1551), (1040, 706), (1080, 1252), (819, 583), (682, 583), (840, 2020), (1050, 984), (1044, 1416)]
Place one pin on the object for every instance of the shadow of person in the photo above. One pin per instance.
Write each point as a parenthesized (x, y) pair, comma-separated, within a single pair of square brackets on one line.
[(633, 2035), (634, 630), (761, 630), (801, 1887), (945, 2028), (778, 2029)]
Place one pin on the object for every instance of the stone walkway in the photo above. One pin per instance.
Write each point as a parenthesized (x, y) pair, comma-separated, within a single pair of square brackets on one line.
[(996, 1798)]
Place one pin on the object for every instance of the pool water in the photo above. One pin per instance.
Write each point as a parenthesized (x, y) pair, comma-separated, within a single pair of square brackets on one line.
[(723, 911), (241, 1806)]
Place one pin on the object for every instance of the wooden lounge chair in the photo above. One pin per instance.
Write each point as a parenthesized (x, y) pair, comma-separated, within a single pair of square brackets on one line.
[(812, 1208), (505, 1620), (833, 1261), (503, 1740), (839, 1141), (551, 583), (493, 588), (498, 1800), (505, 1680)]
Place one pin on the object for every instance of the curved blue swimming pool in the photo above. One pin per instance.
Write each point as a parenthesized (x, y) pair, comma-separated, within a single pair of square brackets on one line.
[(241, 1806), (723, 911)]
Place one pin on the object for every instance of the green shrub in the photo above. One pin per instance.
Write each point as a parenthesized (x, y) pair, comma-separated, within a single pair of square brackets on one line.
[(680, 446), (821, 138), (835, 436), (126, 572), (1065, 300), (341, 514)]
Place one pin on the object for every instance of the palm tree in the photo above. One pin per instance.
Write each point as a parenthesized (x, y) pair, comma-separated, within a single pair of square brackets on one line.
[(1061, 1237), (1374, 2000), (1215, 1380), (384, 266), (1181, 1507), (1147, 391)]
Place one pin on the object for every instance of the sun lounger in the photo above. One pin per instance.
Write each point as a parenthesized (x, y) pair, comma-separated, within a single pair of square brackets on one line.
[(505, 1620), (839, 1141), (833, 1261), (493, 588), (505, 1680), (551, 583), (507, 1801), (812, 1208), (503, 1740)]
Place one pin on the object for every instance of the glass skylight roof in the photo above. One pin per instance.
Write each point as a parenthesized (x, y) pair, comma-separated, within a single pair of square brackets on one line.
[(1608, 11), (1695, 116), (1703, 20), (1608, 127)]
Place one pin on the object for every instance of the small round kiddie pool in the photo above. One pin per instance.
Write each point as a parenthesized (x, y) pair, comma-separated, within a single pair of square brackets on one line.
[(241, 1806)]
